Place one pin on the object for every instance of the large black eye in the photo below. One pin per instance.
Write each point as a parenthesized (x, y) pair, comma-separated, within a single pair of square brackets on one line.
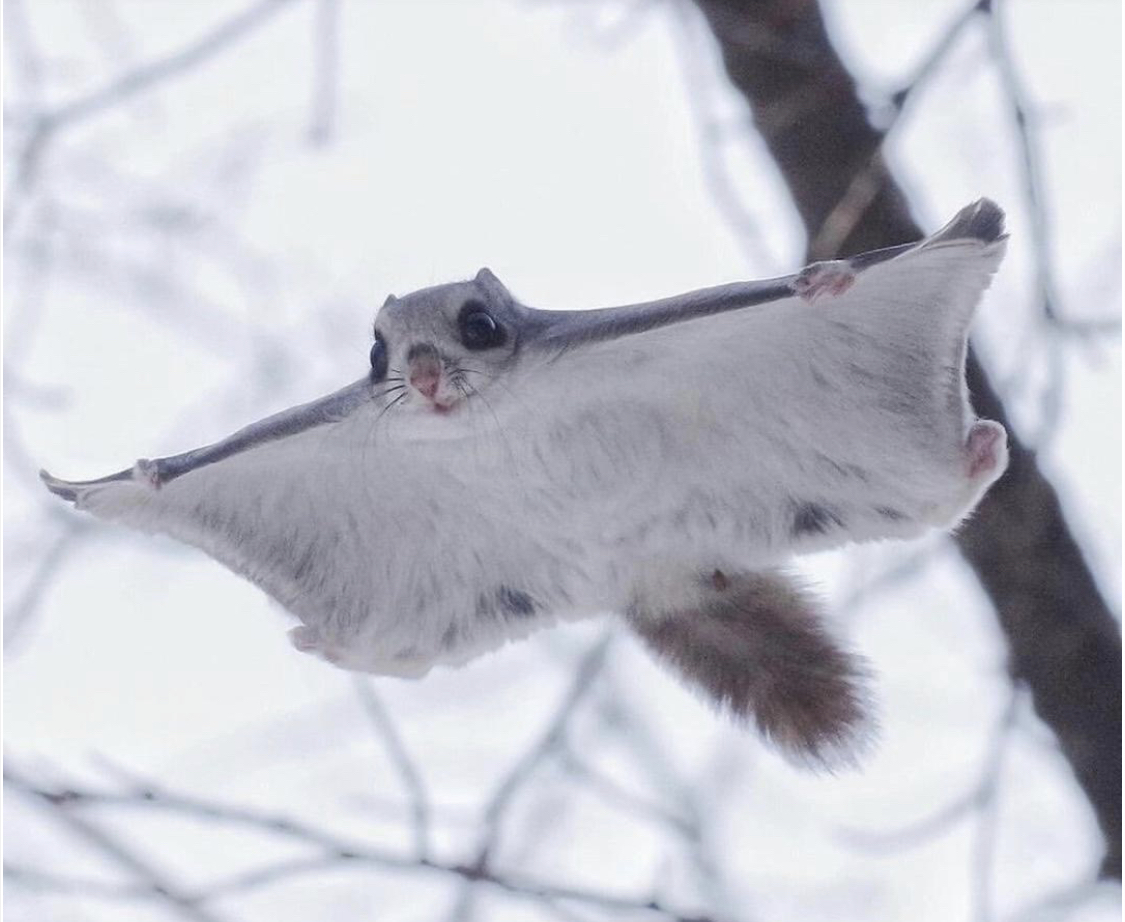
[(479, 329), (378, 359)]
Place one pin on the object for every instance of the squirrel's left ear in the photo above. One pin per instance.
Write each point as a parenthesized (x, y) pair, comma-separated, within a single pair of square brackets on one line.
[(487, 279)]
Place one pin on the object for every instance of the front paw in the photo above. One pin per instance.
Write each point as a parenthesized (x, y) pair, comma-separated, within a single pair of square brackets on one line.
[(833, 278)]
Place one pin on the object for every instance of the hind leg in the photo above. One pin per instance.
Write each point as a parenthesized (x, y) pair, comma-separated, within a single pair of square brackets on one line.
[(986, 450), (984, 456), (310, 640)]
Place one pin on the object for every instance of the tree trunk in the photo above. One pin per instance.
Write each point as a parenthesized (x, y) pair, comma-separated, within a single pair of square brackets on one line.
[(1063, 641)]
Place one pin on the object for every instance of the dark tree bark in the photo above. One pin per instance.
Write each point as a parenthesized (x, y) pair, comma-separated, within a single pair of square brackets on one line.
[(1063, 640)]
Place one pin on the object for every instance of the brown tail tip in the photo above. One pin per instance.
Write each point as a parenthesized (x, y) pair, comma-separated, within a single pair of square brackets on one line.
[(756, 646)]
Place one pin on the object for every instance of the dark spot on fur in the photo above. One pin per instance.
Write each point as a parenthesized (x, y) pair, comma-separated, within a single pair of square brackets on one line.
[(450, 638), (814, 519), (506, 601), (514, 602), (891, 515), (843, 468), (305, 564), (819, 378), (719, 581)]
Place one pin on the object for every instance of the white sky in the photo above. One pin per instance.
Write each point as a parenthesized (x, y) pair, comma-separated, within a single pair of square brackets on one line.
[(534, 138)]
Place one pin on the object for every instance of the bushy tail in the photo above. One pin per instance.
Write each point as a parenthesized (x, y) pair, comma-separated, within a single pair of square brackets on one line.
[(756, 646)]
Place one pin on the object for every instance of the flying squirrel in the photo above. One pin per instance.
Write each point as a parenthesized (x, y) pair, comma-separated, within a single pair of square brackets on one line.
[(499, 469)]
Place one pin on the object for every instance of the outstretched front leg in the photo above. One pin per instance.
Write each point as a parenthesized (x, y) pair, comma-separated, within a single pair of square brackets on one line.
[(756, 645)]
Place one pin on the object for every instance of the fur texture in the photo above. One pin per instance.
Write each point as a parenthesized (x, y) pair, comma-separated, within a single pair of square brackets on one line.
[(756, 645), (601, 461)]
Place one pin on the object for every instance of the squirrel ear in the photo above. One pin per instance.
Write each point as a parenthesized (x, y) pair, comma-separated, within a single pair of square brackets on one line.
[(490, 283)]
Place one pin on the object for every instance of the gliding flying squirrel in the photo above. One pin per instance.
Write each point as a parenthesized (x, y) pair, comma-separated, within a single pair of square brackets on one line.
[(500, 468)]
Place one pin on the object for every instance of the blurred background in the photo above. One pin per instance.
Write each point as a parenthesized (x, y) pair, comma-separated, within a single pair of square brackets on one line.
[(205, 203)]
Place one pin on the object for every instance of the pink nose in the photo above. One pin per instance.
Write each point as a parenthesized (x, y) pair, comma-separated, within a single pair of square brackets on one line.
[(425, 384), (425, 376)]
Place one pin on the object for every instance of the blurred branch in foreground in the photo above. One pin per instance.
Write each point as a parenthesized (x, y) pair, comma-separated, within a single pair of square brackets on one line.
[(41, 126), (76, 806), (1063, 640)]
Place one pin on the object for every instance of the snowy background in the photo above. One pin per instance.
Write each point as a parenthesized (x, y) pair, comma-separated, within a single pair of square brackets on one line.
[(210, 248)]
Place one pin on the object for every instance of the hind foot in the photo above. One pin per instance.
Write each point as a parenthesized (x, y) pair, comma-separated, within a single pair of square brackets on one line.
[(833, 277), (309, 640), (986, 450)]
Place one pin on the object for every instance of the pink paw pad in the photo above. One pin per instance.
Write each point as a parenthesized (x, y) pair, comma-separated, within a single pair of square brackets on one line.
[(832, 278), (305, 638), (985, 448), (309, 640)]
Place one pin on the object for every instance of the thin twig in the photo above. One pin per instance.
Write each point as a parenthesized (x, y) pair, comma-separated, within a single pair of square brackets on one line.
[(547, 745), (46, 124), (617, 796), (543, 748), (147, 76), (712, 135), (400, 759), (333, 851), (158, 883), (649, 757), (979, 798), (1029, 162), (326, 72), (35, 879), (868, 179), (57, 554)]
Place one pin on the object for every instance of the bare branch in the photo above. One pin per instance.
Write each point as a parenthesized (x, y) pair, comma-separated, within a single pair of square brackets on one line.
[(978, 798), (326, 67), (935, 57), (110, 845), (1030, 170), (868, 181), (58, 553), (614, 794), (549, 744), (713, 136), (147, 76), (35, 879), (403, 764), (45, 125), (333, 852)]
